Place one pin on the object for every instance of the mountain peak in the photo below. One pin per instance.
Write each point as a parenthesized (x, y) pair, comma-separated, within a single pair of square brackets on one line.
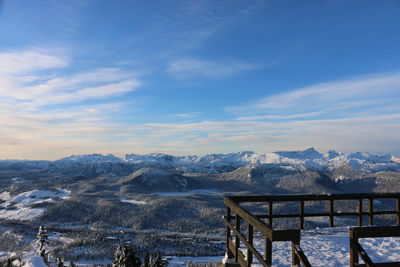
[(309, 153)]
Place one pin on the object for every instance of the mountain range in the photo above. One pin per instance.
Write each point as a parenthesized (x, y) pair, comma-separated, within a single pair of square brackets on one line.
[(309, 159)]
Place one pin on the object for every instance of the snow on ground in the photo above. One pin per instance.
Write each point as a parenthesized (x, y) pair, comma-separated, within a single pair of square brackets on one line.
[(19, 207), (330, 247), (36, 261), (183, 261), (323, 247), (132, 201)]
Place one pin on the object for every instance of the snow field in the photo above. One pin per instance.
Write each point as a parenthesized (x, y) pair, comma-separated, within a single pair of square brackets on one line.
[(18, 207), (330, 247)]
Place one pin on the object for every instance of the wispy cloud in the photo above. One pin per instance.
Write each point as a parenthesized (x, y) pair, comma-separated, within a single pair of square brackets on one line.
[(189, 23), (196, 68), (22, 80), (366, 95), (47, 113), (19, 62), (369, 133), (351, 115), (186, 115)]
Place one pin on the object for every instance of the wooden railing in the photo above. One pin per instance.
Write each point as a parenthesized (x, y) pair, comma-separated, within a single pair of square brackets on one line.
[(237, 218), (357, 250), (270, 235)]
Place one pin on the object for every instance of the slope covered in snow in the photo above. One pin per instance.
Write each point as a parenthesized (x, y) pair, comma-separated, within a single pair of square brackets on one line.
[(22, 206)]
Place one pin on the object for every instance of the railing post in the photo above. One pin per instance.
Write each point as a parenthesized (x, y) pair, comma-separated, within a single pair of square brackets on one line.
[(295, 259), (331, 205), (398, 210), (270, 213), (250, 239), (268, 251), (371, 211), (302, 214), (360, 210), (237, 239), (353, 250), (228, 233)]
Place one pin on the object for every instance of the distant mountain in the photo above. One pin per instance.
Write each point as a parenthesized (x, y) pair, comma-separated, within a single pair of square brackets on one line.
[(155, 180), (309, 159)]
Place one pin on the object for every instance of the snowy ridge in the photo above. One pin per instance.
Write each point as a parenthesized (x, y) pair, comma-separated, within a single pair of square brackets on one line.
[(308, 159)]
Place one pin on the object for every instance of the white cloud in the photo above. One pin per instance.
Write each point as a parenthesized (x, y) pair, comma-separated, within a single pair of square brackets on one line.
[(374, 94), (18, 62), (20, 80), (195, 68), (33, 122)]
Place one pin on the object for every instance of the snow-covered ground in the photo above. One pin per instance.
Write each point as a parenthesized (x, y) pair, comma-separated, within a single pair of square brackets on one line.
[(323, 247), (183, 261), (19, 207), (132, 201), (330, 247)]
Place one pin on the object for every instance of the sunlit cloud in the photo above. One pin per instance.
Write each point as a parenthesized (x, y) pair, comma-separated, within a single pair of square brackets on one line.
[(45, 112)]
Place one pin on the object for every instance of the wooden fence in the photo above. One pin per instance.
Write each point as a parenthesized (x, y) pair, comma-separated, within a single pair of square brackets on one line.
[(357, 250), (238, 217)]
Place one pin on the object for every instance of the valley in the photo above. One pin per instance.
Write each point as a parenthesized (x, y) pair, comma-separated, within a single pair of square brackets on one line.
[(159, 202)]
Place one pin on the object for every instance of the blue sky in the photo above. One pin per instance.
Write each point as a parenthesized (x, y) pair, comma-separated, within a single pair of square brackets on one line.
[(198, 77)]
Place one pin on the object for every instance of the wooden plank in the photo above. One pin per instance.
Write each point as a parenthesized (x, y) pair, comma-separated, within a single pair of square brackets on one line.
[(268, 251), (231, 246), (286, 235), (360, 210), (237, 239), (398, 210), (250, 240), (294, 197), (376, 231), (331, 207), (301, 214), (247, 216), (246, 243), (324, 214), (297, 215), (364, 256), (353, 249), (371, 211), (302, 257), (295, 258), (241, 259), (270, 214), (228, 233), (380, 212), (381, 264)]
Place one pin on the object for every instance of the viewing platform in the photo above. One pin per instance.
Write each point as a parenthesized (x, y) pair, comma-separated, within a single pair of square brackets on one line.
[(254, 223)]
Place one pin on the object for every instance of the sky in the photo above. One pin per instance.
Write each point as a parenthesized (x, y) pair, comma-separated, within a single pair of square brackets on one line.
[(198, 76)]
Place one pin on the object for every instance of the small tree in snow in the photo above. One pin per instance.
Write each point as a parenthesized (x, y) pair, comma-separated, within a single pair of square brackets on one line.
[(42, 242), (125, 257), (155, 260)]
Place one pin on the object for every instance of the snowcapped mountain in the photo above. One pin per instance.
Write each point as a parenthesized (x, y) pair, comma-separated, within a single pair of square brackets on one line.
[(309, 159)]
